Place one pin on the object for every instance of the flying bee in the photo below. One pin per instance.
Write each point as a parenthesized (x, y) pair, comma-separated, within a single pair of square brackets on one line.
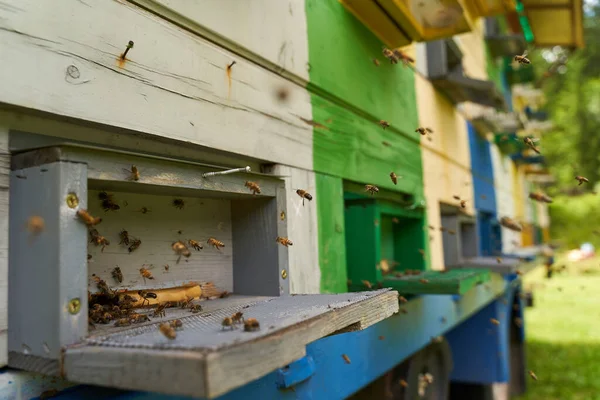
[(424, 131), (195, 244), (117, 274), (494, 321), (160, 310), (389, 54), (135, 243), (284, 241), (168, 331), (346, 359), (533, 375), (376, 62), (110, 205), (372, 189), (540, 197), (499, 260), (237, 317), (181, 250), (394, 177), (145, 273), (87, 218), (304, 194), (463, 204), (217, 244), (522, 59), (123, 322), (386, 266), (178, 203), (145, 295), (35, 224), (227, 323), (451, 232), (251, 325), (406, 60), (511, 224), (403, 383), (424, 281), (368, 284), (581, 179), (253, 186), (134, 173), (531, 143), (176, 323), (384, 124), (124, 236), (395, 220)]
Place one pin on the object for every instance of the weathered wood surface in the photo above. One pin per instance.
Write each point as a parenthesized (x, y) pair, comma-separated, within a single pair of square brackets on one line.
[(273, 30), (4, 198), (505, 201), (206, 360), (173, 84)]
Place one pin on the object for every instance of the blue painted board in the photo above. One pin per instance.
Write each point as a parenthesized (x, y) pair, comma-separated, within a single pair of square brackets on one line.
[(483, 173)]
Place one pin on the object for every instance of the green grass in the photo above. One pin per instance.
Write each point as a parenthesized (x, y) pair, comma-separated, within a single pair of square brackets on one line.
[(563, 332)]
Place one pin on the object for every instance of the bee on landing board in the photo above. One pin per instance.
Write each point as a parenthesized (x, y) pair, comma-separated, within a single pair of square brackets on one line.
[(304, 194), (195, 308), (176, 323), (581, 179), (384, 124), (522, 59), (123, 322), (251, 325), (194, 244), (134, 173), (145, 295), (88, 219), (98, 239), (217, 244), (181, 250), (117, 274), (124, 237), (108, 203), (372, 189), (178, 203), (394, 177), (253, 186), (167, 330), (160, 310), (237, 317), (135, 243), (145, 273), (227, 323), (284, 241)]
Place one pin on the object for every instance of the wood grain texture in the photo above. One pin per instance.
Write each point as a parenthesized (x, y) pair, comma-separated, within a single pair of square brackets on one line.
[(4, 205), (271, 29), (214, 361), (304, 272), (199, 220), (173, 84), (503, 182)]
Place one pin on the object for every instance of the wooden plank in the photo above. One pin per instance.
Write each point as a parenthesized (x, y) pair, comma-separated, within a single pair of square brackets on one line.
[(436, 282), (4, 200), (213, 361), (304, 273), (279, 38), (173, 85)]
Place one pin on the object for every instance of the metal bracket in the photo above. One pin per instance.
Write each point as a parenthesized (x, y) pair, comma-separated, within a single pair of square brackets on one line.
[(229, 171)]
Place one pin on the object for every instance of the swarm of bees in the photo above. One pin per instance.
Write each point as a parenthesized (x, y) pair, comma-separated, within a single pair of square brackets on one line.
[(284, 241)]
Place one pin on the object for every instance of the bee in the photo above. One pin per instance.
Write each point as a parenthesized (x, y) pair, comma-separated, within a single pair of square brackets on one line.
[(533, 375), (451, 231), (195, 308), (385, 266), (237, 317), (456, 197), (406, 60), (424, 131), (98, 240), (522, 59), (402, 299), (384, 124), (394, 177), (167, 267), (251, 324), (304, 194), (282, 94), (395, 220), (110, 205), (518, 322), (145, 273), (376, 62), (195, 244), (134, 173), (368, 284), (422, 252), (181, 250), (499, 260), (530, 142), (217, 244), (117, 274), (227, 323), (168, 331), (387, 53), (176, 323), (102, 286), (160, 310), (146, 295), (581, 179), (106, 318), (178, 203), (424, 281), (187, 302), (144, 210), (35, 224), (123, 322), (284, 241), (87, 218), (253, 186), (541, 197), (494, 321), (139, 318), (372, 189), (509, 223), (135, 243), (124, 236), (463, 204), (403, 383), (346, 358)]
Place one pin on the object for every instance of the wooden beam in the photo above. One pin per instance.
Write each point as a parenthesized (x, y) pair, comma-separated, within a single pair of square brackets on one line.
[(4, 201)]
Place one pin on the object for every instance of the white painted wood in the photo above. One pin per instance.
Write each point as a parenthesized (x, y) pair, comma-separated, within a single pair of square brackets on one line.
[(4, 199), (272, 29), (542, 214), (174, 84), (304, 272), (525, 187), (500, 391), (199, 220), (505, 203)]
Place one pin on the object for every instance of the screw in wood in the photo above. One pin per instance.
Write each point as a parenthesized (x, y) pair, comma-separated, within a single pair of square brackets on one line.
[(74, 306), (129, 46), (283, 273), (231, 65), (72, 200)]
